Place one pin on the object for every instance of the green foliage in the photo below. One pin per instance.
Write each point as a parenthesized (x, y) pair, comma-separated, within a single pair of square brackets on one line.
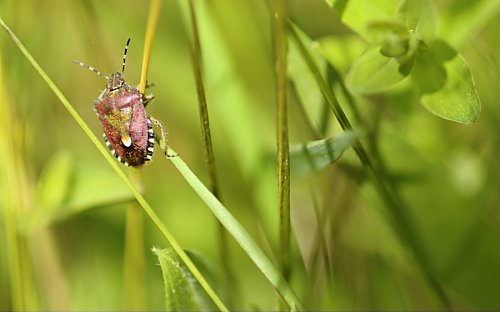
[(239, 234), (182, 291), (404, 43), (445, 84), (374, 72), (390, 207), (63, 190), (311, 157)]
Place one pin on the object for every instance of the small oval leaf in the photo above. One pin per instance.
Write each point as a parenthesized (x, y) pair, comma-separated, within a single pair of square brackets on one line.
[(372, 72), (457, 100)]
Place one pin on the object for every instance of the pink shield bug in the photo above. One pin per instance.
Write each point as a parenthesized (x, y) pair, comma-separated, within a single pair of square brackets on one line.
[(128, 131)]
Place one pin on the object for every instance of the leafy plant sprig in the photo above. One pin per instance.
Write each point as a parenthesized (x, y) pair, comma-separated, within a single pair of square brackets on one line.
[(404, 44)]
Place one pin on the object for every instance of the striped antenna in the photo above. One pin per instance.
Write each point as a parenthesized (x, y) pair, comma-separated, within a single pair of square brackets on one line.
[(125, 55), (91, 68)]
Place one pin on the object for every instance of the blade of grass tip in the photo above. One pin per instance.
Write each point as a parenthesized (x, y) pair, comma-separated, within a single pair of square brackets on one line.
[(197, 58), (112, 162), (154, 14), (399, 220), (239, 233), (280, 47)]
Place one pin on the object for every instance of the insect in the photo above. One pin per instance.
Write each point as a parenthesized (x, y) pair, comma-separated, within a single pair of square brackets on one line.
[(128, 130)]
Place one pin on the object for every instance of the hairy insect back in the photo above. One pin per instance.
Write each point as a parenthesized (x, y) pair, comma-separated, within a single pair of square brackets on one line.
[(127, 128)]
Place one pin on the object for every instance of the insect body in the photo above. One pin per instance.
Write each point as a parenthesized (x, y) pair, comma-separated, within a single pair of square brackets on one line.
[(128, 131)]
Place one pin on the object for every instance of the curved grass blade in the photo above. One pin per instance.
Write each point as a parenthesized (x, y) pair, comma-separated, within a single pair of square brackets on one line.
[(239, 233), (197, 60), (112, 162), (399, 219)]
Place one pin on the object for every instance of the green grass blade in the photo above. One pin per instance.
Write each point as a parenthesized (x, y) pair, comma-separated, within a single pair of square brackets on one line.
[(280, 50), (182, 292), (134, 263), (398, 217), (114, 164), (134, 286), (202, 100), (197, 57), (13, 199), (154, 14), (239, 233)]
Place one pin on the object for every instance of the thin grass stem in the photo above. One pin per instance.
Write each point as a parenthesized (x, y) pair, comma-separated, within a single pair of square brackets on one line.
[(112, 162), (134, 233), (398, 218), (21, 279), (154, 14), (134, 265), (280, 47), (197, 59), (247, 243)]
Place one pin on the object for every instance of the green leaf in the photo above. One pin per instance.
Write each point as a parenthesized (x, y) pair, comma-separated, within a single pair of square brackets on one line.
[(53, 184), (372, 72), (316, 155), (392, 35), (247, 243), (182, 291), (396, 42), (445, 84), (63, 191), (457, 99), (52, 190), (360, 13), (420, 18), (113, 163), (429, 74), (106, 189)]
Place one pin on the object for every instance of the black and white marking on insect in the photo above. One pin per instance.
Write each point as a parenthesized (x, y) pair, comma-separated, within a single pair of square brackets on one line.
[(128, 131)]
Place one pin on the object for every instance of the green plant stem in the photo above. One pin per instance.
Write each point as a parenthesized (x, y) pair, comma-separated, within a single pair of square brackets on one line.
[(197, 60), (202, 101), (134, 266), (21, 280), (280, 47), (399, 220), (10, 219), (241, 236), (114, 164), (154, 14)]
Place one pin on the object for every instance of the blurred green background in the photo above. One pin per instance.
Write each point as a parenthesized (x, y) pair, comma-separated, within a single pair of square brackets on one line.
[(70, 206)]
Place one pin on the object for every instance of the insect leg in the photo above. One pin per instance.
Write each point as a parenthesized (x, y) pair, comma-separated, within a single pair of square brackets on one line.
[(163, 143), (147, 98)]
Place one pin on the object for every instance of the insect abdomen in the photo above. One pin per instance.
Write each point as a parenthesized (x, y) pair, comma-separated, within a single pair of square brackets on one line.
[(141, 133)]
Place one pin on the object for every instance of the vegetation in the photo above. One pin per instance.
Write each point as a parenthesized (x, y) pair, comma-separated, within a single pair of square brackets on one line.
[(330, 155)]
